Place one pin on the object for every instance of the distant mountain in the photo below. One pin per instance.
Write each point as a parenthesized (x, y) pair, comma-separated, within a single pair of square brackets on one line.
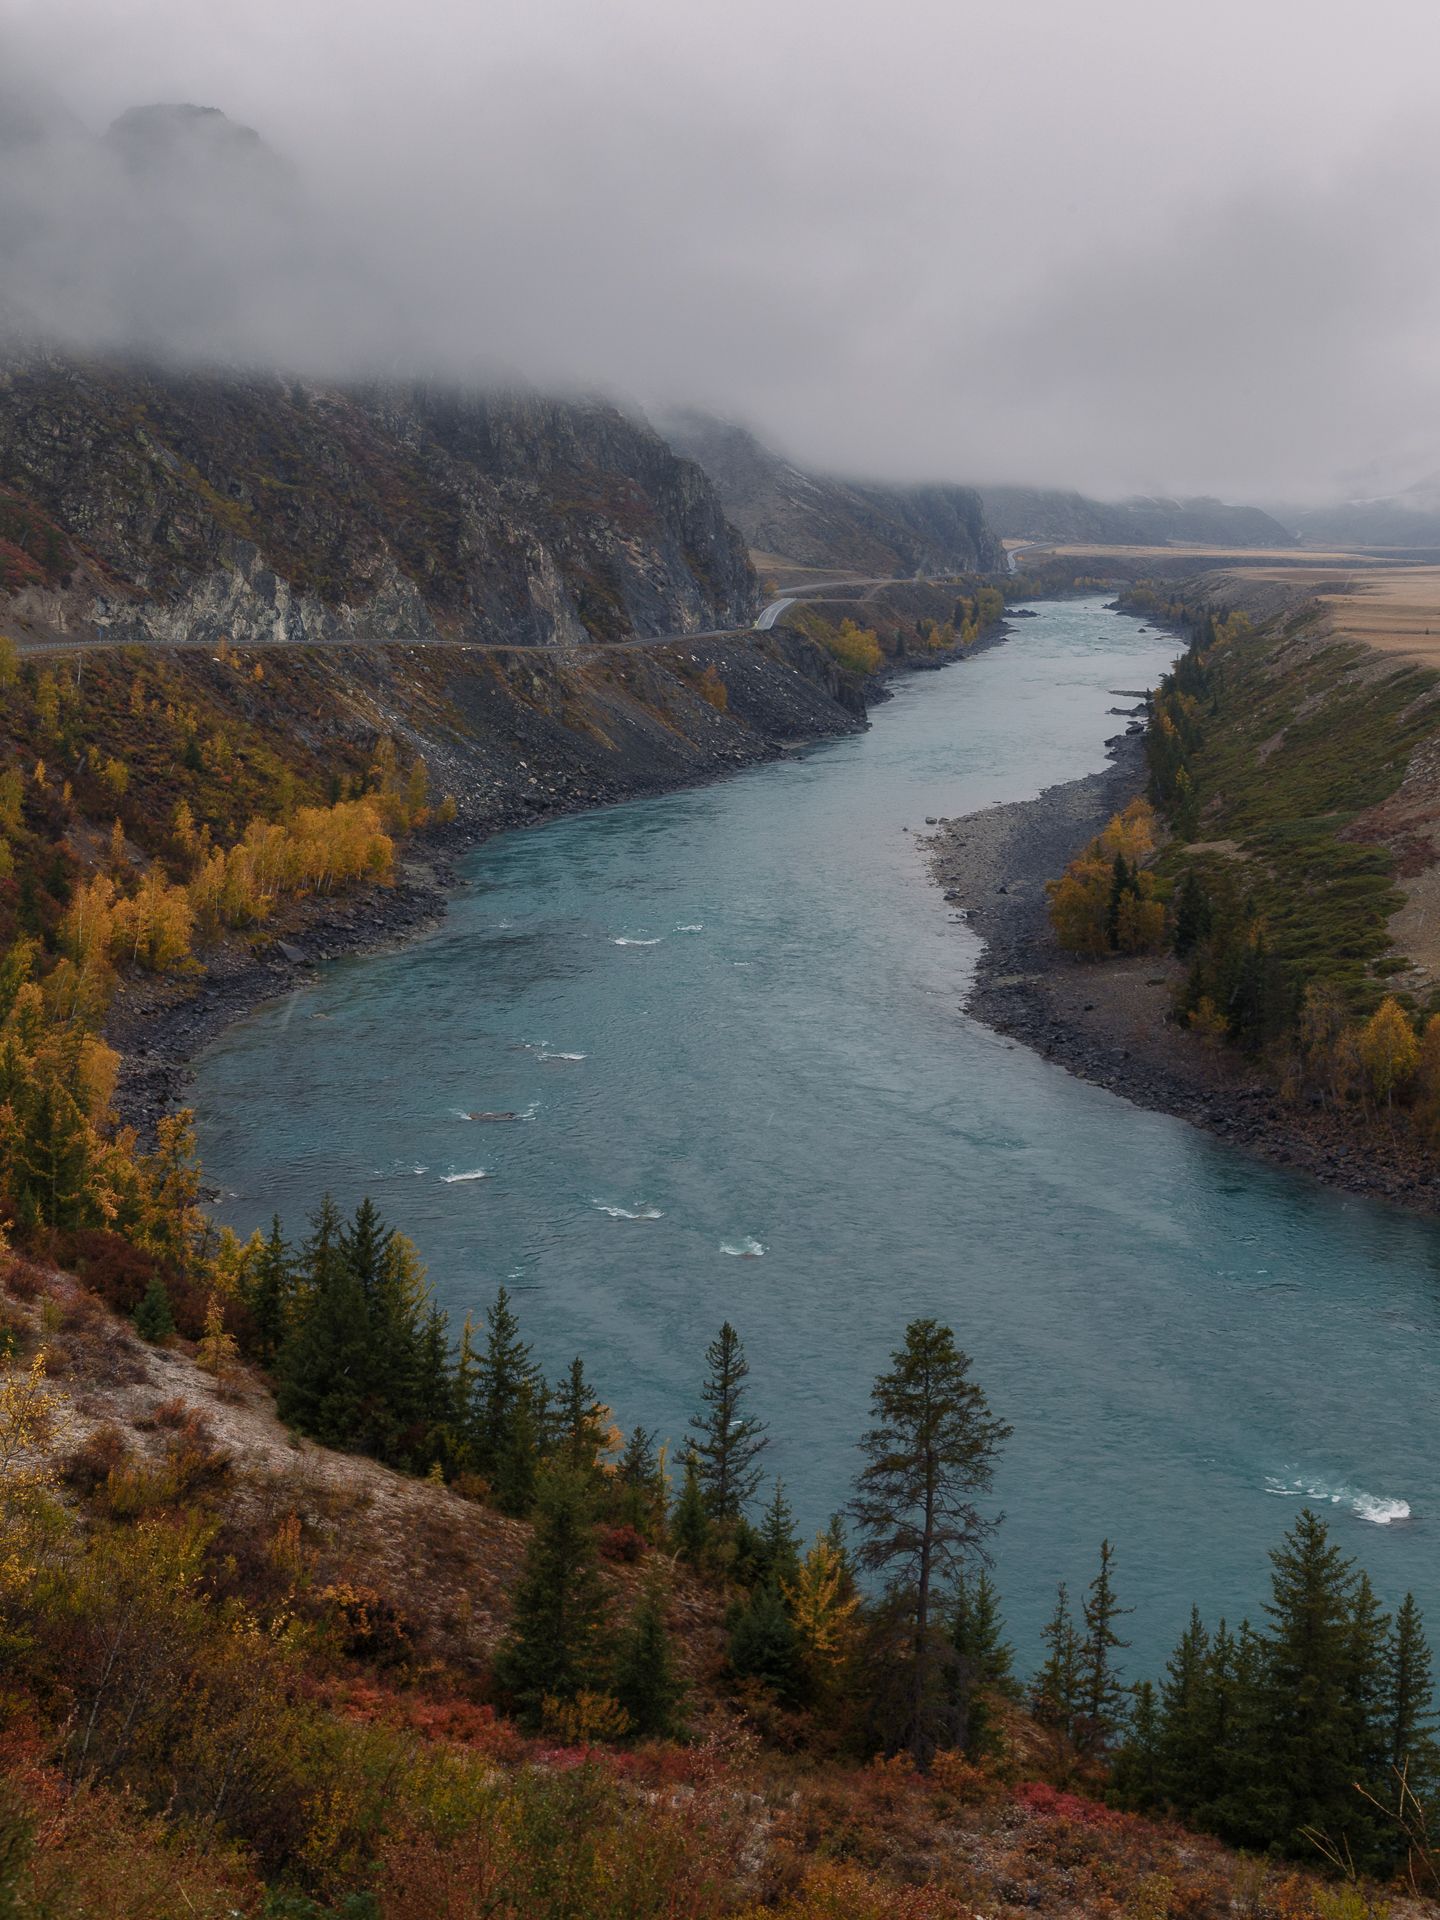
[(816, 520), (1045, 513), (171, 142), (1410, 518)]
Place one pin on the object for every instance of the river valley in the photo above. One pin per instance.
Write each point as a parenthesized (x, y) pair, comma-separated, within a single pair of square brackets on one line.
[(719, 1035)]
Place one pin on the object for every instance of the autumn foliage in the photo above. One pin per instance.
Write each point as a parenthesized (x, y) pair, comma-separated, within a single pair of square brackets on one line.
[(1105, 900)]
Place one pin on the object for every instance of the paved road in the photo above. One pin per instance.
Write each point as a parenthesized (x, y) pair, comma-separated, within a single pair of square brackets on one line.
[(763, 622)]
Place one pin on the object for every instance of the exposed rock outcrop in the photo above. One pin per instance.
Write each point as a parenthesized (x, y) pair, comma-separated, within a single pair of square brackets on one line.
[(197, 508)]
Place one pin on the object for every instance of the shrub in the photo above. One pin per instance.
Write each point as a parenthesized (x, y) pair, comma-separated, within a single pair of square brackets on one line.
[(624, 1544), (101, 1453)]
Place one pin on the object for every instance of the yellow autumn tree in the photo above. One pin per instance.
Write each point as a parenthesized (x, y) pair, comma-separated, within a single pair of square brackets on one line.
[(217, 1352), (26, 1424), (1080, 904), (1389, 1051), (1105, 902), (822, 1607)]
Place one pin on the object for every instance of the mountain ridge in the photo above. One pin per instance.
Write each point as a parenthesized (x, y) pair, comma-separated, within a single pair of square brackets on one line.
[(814, 520)]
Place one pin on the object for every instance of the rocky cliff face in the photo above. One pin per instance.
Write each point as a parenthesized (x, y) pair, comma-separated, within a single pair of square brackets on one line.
[(812, 520), (254, 509)]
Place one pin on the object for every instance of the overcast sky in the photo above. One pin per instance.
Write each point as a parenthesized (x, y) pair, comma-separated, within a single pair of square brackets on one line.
[(1121, 244)]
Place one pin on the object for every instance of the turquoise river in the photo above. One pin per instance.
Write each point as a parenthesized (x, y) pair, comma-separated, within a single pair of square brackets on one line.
[(732, 1022)]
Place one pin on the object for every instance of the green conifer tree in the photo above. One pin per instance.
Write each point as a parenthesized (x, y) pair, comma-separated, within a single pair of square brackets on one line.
[(1055, 1690), (778, 1545), (324, 1371), (506, 1417), (269, 1285), (1136, 1774), (1101, 1697), (931, 1451), (646, 1684), (579, 1426), (154, 1320), (1186, 1753), (1409, 1694), (636, 1480), (1311, 1751), (727, 1443), (690, 1522), (557, 1644), (764, 1645)]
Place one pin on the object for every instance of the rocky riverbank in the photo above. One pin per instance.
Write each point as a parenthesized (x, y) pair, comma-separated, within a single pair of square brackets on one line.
[(1110, 1022)]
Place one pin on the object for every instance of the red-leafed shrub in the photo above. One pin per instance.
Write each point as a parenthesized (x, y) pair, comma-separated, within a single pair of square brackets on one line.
[(623, 1544), (1040, 1797)]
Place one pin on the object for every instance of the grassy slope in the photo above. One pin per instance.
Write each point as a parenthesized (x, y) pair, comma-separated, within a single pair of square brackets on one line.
[(1304, 734)]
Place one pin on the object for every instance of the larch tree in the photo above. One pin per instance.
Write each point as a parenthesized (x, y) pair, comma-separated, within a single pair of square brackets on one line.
[(929, 1455), (1389, 1051)]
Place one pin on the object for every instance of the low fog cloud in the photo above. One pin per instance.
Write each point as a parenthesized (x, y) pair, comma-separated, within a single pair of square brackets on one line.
[(1123, 247)]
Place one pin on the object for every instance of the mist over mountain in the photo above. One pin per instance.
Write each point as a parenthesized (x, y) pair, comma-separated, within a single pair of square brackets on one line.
[(1026, 273), (1047, 513), (817, 520)]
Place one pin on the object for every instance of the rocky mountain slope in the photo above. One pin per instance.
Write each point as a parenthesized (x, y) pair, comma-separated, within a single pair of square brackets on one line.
[(1047, 513), (815, 520), (170, 507)]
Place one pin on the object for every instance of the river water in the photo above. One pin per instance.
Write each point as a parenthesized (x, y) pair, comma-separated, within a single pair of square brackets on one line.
[(731, 1019)]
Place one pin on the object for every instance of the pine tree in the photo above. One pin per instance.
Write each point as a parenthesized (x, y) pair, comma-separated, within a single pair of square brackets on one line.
[(1136, 1775), (931, 1450), (268, 1287), (1101, 1697), (1192, 914), (324, 1371), (1310, 1748), (637, 1479), (779, 1545), (1055, 1690), (984, 1659), (515, 1472), (556, 1645), (154, 1320), (764, 1645), (728, 1443), (579, 1434), (1185, 1758), (505, 1418), (690, 1523), (646, 1684), (1409, 1692), (1239, 1791), (399, 1302), (1367, 1688), (978, 1632)]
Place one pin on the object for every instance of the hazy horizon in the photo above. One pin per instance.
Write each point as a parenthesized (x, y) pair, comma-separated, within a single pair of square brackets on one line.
[(1122, 250)]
